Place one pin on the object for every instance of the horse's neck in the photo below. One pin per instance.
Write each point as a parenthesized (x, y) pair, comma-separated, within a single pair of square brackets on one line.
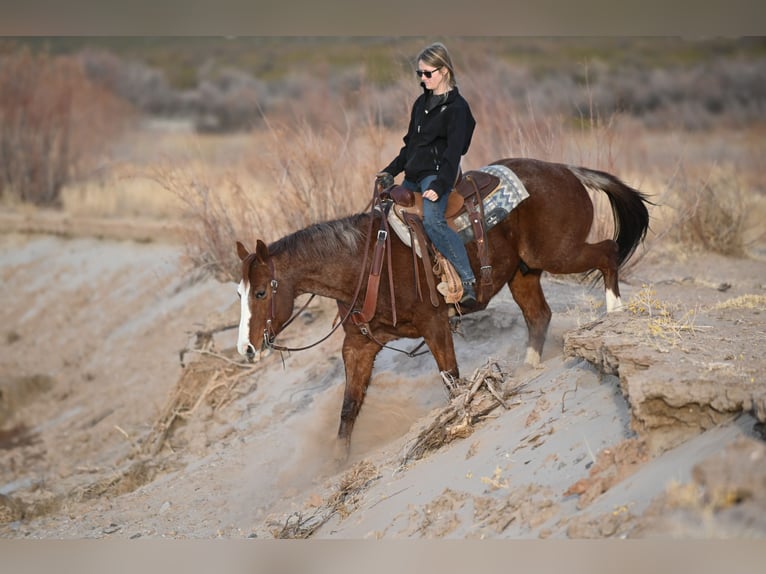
[(334, 275)]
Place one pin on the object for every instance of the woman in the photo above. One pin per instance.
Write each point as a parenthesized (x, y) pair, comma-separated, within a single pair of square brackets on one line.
[(439, 133)]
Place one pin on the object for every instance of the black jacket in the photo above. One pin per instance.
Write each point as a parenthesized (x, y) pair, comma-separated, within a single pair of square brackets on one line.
[(435, 141)]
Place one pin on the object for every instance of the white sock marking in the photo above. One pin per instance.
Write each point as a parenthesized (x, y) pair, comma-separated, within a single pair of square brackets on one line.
[(613, 303), (533, 358)]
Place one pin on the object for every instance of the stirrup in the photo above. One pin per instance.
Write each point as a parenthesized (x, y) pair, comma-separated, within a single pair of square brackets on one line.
[(469, 295)]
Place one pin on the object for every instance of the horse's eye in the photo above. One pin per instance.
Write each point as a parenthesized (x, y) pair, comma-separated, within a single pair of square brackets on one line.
[(260, 294)]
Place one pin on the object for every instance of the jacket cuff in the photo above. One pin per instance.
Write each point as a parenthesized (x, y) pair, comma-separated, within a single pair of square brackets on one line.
[(439, 187)]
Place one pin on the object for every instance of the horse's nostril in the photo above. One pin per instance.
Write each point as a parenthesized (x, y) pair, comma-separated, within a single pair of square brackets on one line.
[(250, 351)]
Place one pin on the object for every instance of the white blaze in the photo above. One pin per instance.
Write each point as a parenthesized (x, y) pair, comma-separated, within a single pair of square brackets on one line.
[(243, 339)]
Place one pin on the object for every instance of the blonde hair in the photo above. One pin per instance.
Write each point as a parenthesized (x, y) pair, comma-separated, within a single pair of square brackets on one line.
[(436, 55)]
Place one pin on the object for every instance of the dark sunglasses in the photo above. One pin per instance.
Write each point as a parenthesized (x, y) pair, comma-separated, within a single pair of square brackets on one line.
[(427, 73)]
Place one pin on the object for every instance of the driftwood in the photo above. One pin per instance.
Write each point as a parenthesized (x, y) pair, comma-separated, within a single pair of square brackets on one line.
[(472, 401), (215, 379)]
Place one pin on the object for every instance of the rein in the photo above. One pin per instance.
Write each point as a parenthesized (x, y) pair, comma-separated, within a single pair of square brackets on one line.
[(269, 334), (360, 318)]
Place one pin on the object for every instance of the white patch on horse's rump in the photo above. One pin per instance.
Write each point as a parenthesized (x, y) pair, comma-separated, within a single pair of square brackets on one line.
[(613, 303), (243, 338)]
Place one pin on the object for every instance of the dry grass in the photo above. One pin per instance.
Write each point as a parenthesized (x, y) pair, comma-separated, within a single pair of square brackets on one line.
[(284, 178), (320, 173), (749, 301), (269, 183), (125, 192), (315, 174), (663, 328)]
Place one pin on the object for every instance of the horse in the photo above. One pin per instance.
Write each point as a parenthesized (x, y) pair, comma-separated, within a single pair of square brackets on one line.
[(547, 231)]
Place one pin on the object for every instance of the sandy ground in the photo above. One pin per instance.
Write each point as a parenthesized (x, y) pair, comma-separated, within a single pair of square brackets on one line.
[(634, 426)]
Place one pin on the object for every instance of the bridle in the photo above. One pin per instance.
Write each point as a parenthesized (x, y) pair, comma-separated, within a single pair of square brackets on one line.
[(269, 334)]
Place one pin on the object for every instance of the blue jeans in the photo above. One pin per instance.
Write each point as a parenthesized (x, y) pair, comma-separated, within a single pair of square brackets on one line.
[(445, 239)]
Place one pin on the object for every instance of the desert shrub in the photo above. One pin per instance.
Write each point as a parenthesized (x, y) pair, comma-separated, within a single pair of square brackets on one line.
[(715, 92), (295, 175), (386, 107), (229, 100), (146, 88), (321, 173), (503, 127), (53, 120), (218, 100), (666, 82), (711, 214), (217, 210)]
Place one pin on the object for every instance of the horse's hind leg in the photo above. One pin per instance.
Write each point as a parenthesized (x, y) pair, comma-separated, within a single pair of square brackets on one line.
[(528, 294), (607, 253), (358, 358), (601, 256)]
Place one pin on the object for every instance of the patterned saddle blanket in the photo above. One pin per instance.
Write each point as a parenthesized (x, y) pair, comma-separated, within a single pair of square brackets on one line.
[(501, 190)]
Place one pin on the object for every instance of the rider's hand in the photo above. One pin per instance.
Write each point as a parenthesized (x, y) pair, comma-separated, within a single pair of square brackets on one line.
[(430, 195), (384, 179)]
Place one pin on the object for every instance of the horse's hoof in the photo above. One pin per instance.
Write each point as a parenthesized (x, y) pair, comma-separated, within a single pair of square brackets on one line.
[(340, 451)]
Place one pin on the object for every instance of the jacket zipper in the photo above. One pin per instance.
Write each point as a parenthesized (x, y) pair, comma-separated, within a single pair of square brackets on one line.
[(426, 113)]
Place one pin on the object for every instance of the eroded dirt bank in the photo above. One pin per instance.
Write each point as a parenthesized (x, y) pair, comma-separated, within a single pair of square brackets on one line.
[(646, 423)]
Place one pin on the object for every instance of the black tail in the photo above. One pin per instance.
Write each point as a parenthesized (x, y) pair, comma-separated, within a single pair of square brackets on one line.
[(631, 216)]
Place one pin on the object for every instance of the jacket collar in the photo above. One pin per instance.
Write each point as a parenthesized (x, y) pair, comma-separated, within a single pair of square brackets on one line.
[(451, 95)]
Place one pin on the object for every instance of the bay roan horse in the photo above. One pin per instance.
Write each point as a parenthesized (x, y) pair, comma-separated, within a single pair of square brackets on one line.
[(547, 231)]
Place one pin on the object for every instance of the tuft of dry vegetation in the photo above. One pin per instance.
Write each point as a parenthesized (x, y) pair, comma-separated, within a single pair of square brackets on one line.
[(663, 328), (217, 210), (320, 173), (346, 496), (748, 301)]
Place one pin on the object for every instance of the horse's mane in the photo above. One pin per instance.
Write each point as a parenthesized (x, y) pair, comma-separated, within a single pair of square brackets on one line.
[(325, 239)]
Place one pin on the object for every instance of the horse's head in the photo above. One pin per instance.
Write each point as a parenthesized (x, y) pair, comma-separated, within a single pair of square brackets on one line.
[(265, 303)]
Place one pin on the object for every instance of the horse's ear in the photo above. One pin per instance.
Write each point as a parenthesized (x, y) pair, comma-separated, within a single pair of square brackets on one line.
[(261, 251), (242, 251)]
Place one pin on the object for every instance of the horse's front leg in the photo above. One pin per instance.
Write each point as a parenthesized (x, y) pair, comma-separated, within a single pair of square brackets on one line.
[(437, 335), (359, 354)]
